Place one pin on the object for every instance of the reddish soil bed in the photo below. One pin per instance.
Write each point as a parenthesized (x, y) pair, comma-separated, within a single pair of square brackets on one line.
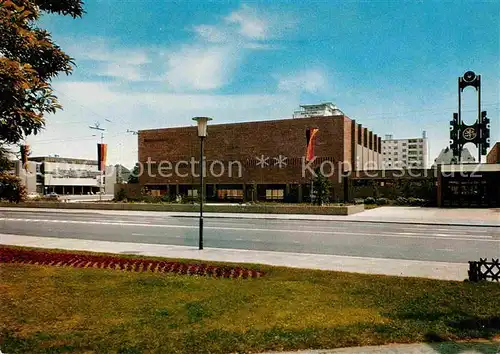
[(60, 259)]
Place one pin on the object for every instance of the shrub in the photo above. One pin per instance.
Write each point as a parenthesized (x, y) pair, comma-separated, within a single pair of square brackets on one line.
[(151, 199), (370, 200), (165, 198), (121, 195), (11, 188), (401, 201), (382, 201), (416, 201)]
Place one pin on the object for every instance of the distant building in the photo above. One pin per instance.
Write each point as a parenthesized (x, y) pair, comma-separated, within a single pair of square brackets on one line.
[(122, 173), (405, 153), (446, 157), (318, 110), (494, 154), (65, 176)]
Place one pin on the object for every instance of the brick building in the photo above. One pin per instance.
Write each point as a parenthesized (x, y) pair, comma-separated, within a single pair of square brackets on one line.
[(257, 160), (494, 154)]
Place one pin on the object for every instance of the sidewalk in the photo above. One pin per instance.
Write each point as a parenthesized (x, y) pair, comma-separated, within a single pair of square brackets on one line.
[(397, 267), (483, 347), (406, 215)]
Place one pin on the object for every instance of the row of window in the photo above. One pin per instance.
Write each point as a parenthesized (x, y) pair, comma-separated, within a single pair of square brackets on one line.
[(412, 153), (271, 194), (410, 158), (419, 146)]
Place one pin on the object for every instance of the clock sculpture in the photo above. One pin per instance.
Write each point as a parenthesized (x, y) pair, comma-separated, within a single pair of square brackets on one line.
[(477, 133)]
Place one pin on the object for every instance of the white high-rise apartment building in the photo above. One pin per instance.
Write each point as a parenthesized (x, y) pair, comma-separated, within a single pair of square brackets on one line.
[(405, 153)]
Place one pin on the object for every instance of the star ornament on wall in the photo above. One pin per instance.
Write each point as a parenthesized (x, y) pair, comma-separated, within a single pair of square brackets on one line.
[(280, 161), (262, 161)]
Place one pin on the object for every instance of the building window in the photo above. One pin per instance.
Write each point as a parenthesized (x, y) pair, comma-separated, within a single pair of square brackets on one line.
[(274, 194), (404, 144), (230, 194), (193, 193)]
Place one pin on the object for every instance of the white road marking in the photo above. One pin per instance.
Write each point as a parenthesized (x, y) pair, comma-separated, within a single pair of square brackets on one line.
[(396, 235), (445, 249), (137, 234)]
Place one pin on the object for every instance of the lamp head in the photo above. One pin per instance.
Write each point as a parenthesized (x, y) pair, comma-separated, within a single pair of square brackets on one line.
[(202, 125)]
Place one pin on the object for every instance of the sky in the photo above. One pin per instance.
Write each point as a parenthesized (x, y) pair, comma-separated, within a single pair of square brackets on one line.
[(391, 65)]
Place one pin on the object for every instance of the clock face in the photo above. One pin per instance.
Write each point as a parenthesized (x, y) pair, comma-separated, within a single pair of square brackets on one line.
[(469, 76), (469, 133)]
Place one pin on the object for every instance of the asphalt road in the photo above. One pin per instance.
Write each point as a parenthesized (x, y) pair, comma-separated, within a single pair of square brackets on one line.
[(364, 239)]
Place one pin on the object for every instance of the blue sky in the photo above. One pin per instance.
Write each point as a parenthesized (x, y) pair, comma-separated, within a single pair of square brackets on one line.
[(392, 66)]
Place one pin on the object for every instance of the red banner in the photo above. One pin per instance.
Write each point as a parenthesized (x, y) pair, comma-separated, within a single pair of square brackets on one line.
[(311, 135), (102, 150)]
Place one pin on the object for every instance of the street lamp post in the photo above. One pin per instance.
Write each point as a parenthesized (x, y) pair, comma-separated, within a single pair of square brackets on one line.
[(202, 134)]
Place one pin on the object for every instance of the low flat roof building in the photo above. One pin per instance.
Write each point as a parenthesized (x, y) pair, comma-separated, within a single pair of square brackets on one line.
[(48, 174)]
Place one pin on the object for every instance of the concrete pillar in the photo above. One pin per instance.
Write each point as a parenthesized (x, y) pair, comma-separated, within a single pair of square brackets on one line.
[(287, 192), (347, 194), (176, 189), (300, 194), (63, 191)]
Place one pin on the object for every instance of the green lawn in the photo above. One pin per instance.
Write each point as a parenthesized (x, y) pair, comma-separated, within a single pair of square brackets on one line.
[(47, 309)]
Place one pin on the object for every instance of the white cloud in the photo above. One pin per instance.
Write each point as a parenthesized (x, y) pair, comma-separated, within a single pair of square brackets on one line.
[(311, 81), (209, 62), (120, 71), (212, 34), (100, 49), (200, 68), (107, 60), (250, 24)]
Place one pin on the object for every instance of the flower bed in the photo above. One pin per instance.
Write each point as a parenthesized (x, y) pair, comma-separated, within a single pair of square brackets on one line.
[(25, 256)]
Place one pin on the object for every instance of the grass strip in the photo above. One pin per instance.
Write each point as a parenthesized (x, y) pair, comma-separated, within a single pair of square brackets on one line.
[(47, 309)]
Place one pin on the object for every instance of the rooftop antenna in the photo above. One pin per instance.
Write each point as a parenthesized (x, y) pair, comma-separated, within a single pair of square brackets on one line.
[(97, 126)]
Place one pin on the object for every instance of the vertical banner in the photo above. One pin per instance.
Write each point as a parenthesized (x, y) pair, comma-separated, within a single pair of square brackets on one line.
[(25, 151), (102, 150), (310, 138)]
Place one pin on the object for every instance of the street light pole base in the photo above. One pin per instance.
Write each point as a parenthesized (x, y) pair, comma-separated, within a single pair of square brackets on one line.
[(200, 246)]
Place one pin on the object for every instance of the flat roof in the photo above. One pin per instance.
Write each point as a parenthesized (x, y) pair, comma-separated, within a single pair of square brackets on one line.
[(404, 139), (250, 122), (471, 167), (62, 159)]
